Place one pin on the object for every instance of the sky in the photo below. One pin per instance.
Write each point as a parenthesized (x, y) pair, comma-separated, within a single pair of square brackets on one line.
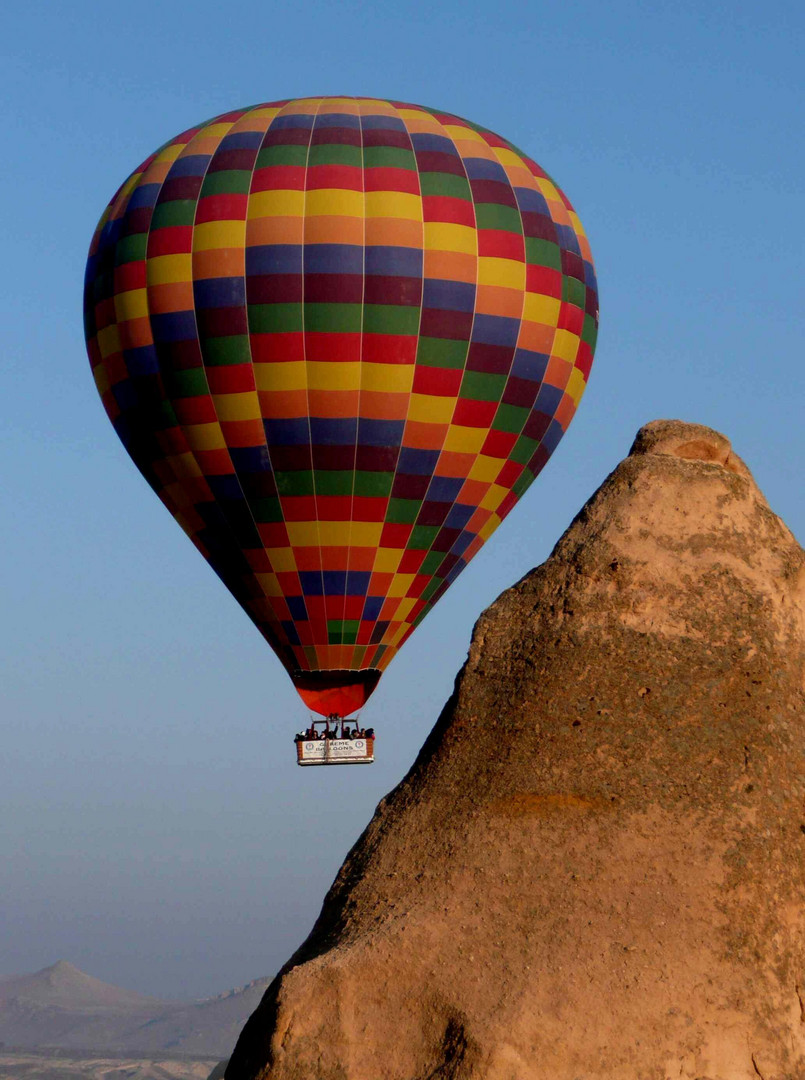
[(154, 829)]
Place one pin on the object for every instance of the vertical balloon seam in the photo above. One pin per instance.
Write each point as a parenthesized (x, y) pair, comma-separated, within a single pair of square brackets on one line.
[(358, 653), (396, 108), (124, 210), (378, 650), (449, 121), (374, 650), (319, 554), (358, 659), (267, 605), (355, 662), (347, 557), (273, 604), (439, 118), (370, 650), (539, 466), (302, 658), (525, 418), (461, 565), (229, 572), (449, 581), (299, 653), (99, 257), (200, 337), (361, 650), (147, 466), (391, 631), (293, 656), (445, 134), (543, 381), (314, 649), (238, 567), (518, 200), (308, 373), (117, 211), (384, 652), (453, 572), (300, 664), (195, 538)]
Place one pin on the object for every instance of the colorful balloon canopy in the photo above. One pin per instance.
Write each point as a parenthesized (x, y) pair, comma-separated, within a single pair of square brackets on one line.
[(339, 337)]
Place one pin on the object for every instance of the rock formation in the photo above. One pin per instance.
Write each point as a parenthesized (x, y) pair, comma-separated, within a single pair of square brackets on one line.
[(595, 868)]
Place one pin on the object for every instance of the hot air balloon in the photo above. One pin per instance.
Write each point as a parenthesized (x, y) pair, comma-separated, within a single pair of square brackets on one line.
[(339, 337)]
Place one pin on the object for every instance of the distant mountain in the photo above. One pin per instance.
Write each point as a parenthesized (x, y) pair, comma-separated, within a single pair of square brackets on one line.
[(64, 1007), (63, 984)]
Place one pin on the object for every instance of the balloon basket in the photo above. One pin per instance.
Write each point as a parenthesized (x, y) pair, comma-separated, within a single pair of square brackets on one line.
[(324, 747)]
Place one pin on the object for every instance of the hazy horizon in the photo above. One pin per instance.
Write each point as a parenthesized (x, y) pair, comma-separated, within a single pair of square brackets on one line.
[(59, 965)]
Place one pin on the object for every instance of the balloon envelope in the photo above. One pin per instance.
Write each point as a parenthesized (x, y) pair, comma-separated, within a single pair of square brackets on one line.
[(339, 337)]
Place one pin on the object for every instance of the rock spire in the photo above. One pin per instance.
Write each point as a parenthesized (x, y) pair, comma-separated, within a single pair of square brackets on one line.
[(596, 867)]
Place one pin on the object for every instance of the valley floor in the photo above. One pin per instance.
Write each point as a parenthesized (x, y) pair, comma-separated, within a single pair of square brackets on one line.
[(65, 1065)]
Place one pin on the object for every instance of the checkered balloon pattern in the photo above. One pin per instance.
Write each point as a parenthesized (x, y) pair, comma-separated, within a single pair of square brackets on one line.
[(339, 337)]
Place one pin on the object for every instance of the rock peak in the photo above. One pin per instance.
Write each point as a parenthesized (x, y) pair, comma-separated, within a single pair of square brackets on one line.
[(596, 865), (691, 442), (62, 967)]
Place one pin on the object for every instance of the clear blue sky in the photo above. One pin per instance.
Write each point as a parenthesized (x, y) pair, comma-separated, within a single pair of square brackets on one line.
[(153, 827)]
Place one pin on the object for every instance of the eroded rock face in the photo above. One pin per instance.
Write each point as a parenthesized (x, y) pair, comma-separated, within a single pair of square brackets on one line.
[(595, 868)]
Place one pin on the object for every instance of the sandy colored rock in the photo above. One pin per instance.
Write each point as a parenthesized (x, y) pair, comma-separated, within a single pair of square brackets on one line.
[(594, 870)]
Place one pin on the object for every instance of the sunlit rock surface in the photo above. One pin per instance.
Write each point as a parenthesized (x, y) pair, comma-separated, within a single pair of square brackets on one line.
[(594, 870)]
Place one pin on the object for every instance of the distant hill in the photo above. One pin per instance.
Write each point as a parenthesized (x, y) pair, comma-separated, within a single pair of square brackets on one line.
[(202, 1027), (64, 1007), (63, 984)]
